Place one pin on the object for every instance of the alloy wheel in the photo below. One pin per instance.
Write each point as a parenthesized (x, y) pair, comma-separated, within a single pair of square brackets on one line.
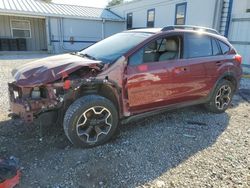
[(94, 123), (223, 97)]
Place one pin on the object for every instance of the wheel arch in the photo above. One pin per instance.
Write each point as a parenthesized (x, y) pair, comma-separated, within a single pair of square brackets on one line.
[(105, 90), (230, 76)]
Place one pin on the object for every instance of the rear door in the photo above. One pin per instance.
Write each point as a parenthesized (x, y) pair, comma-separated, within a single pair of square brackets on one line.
[(220, 58), (198, 56)]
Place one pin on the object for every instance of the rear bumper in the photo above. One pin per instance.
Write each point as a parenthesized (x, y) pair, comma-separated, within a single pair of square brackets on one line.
[(239, 77)]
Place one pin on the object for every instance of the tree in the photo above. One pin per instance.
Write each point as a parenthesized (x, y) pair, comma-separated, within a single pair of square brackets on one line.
[(114, 2)]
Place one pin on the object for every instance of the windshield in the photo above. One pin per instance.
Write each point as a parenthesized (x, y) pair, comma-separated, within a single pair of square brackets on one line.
[(111, 48)]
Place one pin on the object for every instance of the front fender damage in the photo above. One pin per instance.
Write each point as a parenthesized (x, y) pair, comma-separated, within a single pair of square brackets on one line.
[(59, 96)]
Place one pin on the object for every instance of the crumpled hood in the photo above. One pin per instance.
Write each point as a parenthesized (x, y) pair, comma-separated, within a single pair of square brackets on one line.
[(50, 69)]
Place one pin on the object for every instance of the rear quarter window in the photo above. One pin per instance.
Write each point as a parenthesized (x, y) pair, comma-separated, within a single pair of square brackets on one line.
[(198, 46), (216, 48), (224, 47)]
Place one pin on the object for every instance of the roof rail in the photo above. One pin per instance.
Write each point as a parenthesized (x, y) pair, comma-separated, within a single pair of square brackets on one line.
[(190, 27)]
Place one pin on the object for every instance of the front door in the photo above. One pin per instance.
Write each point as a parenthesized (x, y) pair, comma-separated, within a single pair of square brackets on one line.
[(155, 75)]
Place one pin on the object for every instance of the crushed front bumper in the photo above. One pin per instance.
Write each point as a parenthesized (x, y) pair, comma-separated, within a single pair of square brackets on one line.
[(25, 107), (17, 106)]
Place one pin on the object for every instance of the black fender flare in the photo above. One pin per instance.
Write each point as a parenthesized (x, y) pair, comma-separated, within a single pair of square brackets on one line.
[(224, 76), (95, 84)]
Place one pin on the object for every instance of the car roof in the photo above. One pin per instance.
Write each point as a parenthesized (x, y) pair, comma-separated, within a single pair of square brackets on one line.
[(146, 30), (160, 30)]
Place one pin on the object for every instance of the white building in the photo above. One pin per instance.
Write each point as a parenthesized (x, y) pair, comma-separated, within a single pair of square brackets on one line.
[(230, 17), (34, 25), (239, 33)]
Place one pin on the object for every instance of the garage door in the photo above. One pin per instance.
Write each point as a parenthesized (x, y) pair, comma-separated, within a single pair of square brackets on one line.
[(239, 36)]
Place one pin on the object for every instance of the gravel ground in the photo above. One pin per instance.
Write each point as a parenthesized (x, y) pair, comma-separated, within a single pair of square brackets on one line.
[(183, 148)]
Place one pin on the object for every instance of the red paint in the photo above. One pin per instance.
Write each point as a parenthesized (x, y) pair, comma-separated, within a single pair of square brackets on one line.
[(143, 68), (64, 75), (165, 83), (67, 84), (11, 183), (50, 69), (141, 88)]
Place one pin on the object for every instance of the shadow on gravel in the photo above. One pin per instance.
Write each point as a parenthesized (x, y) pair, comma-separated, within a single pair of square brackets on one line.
[(165, 141), (141, 152), (245, 94)]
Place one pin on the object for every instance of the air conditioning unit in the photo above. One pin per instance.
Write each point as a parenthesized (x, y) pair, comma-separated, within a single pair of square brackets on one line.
[(5, 46), (10, 44)]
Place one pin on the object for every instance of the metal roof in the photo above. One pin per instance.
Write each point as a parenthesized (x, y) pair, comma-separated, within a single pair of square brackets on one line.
[(40, 8)]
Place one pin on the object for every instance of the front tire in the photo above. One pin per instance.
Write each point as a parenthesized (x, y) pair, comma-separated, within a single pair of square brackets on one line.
[(90, 121), (221, 97)]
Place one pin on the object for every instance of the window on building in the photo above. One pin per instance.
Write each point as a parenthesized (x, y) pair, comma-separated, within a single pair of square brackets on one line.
[(198, 46), (20, 29), (180, 14), (151, 18), (129, 20)]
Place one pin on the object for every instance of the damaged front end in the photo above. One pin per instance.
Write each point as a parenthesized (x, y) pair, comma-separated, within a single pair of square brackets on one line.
[(28, 103), (50, 87)]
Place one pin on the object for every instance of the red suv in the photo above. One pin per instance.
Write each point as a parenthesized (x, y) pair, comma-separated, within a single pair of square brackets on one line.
[(131, 74)]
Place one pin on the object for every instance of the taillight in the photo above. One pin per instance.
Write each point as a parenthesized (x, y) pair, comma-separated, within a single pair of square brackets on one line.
[(66, 84), (238, 58)]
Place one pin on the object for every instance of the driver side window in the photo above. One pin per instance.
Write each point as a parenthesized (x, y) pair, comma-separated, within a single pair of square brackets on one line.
[(162, 49)]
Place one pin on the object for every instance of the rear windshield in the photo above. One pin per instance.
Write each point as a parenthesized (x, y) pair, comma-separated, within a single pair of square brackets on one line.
[(111, 48)]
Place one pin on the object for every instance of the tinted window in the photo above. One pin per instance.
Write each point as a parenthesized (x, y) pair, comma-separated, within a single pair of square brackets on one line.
[(129, 21), (151, 18), (224, 47), (163, 49), (216, 49), (198, 46), (180, 14)]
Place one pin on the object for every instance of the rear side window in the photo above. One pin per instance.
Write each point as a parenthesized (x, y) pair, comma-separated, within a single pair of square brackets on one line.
[(224, 47), (216, 49), (198, 46)]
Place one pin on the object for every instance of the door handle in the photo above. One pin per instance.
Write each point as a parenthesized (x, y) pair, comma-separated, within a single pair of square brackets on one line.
[(184, 69), (180, 70), (219, 63)]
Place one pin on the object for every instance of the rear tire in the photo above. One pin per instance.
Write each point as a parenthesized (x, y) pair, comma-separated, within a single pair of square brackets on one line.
[(90, 121), (221, 97)]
